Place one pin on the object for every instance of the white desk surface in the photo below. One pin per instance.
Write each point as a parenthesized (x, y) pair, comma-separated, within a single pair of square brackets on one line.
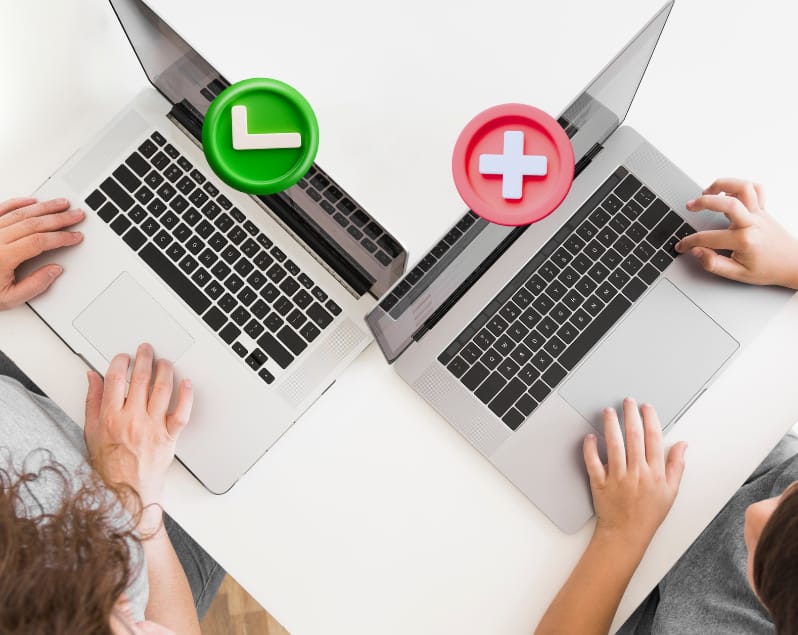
[(372, 515)]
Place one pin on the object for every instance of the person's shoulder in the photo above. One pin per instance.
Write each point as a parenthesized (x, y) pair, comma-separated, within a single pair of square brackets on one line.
[(783, 457)]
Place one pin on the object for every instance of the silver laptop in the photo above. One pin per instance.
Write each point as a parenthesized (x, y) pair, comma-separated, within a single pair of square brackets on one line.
[(259, 300), (519, 337)]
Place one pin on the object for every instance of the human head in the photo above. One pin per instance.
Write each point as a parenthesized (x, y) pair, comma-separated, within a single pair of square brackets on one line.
[(63, 572), (771, 536)]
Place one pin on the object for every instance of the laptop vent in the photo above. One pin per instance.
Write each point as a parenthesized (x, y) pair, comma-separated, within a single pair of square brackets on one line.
[(321, 363), (475, 422)]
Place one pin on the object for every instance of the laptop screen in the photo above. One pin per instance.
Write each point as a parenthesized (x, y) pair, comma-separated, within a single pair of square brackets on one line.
[(454, 264), (174, 68)]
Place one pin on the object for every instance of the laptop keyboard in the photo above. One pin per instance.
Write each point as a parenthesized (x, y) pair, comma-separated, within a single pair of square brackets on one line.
[(244, 287), (352, 218), (538, 328)]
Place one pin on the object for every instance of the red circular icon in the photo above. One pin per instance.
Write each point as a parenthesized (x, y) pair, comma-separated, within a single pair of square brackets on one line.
[(513, 164)]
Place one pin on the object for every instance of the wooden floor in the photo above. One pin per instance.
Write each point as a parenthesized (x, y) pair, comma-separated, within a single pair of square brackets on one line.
[(235, 612)]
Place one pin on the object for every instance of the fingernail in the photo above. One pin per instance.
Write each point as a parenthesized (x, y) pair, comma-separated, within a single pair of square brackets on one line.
[(691, 202), (609, 411), (678, 246), (55, 271), (590, 437), (61, 201), (187, 383)]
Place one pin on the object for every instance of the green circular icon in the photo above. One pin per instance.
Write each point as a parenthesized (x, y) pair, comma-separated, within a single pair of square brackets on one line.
[(260, 136)]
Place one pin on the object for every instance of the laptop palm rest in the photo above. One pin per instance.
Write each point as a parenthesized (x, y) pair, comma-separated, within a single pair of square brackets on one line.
[(667, 334), (124, 315)]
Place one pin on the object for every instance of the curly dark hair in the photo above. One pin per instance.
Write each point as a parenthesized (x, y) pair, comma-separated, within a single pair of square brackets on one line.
[(776, 564), (62, 572)]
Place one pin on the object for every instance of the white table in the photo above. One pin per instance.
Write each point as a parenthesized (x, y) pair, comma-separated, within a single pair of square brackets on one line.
[(372, 515)]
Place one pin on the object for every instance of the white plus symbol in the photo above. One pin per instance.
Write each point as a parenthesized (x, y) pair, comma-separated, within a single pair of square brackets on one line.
[(513, 165)]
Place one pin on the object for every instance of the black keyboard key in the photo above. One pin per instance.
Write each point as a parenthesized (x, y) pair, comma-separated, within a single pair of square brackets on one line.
[(606, 236), (198, 198), (593, 305), (586, 231), (660, 260), (278, 255), (556, 290), (129, 180), (273, 322), (595, 330), (599, 217), (135, 239), (634, 289), (548, 271), (636, 232), (256, 359), (215, 319), (210, 188), (296, 319), (627, 188), (619, 278), (534, 340), (491, 387), (457, 366), (507, 397), (229, 333), (663, 231), (170, 274), (197, 176), (491, 358), (192, 216), (254, 328), (497, 325), (243, 267), (240, 316), (310, 331), (554, 346), (188, 264), (158, 138), (654, 214), (169, 220), (289, 286), (525, 405), (611, 258), (250, 248), (230, 254), (594, 250), (237, 235), (606, 292), (182, 232), (539, 391), (156, 206), (542, 360), (147, 148), (543, 304), (580, 319), (567, 333), (214, 289), (599, 272), (107, 212), (239, 349), (95, 199), (172, 173), (266, 376), (176, 251), (644, 196), (529, 374), (359, 218), (648, 273), (522, 297), (178, 204), (644, 251), (536, 285), (117, 194), (275, 350), (484, 339), (319, 315), (246, 296), (554, 375), (201, 277), (185, 185), (619, 223), (331, 306), (121, 225), (475, 376), (573, 299), (631, 265), (233, 283), (150, 226), (221, 270)]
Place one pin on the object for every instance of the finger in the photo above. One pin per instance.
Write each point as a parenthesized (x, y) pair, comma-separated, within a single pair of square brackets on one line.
[(635, 444), (94, 398), (115, 382), (720, 265), (38, 224), (712, 238), (141, 377), (760, 195), (161, 389), (674, 468), (32, 210), (31, 246), (616, 454), (739, 188), (15, 203), (655, 455), (734, 210), (178, 420), (30, 286), (595, 468)]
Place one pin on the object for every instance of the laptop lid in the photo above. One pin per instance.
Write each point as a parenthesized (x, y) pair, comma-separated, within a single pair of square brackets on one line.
[(428, 291), (190, 83)]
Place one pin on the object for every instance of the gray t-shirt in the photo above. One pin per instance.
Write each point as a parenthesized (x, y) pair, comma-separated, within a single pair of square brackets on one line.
[(30, 422), (707, 590)]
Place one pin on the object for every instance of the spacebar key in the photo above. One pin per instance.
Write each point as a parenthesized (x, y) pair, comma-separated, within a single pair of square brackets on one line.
[(594, 332), (172, 276)]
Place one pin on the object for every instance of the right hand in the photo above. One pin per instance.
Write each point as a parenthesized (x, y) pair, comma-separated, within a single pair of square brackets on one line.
[(763, 252), (27, 229), (633, 493)]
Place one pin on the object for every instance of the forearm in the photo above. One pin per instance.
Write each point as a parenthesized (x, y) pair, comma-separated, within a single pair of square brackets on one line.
[(171, 603), (587, 602)]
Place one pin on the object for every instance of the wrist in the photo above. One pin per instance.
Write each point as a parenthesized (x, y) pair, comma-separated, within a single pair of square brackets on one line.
[(630, 541)]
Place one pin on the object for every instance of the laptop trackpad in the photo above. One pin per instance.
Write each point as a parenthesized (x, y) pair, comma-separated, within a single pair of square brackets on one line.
[(662, 353), (125, 315)]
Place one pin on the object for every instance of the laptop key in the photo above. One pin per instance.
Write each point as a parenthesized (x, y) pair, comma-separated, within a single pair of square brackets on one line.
[(95, 199), (256, 359), (554, 375), (529, 374), (310, 331), (507, 397), (648, 273), (135, 239), (173, 277), (117, 194), (319, 315), (215, 319), (634, 289), (594, 331), (662, 259), (254, 329), (273, 322), (628, 187), (663, 231), (240, 316), (265, 375), (120, 225), (491, 387), (107, 212), (457, 366), (148, 148), (539, 390), (129, 180), (239, 349), (541, 360), (525, 405), (214, 289), (654, 214), (474, 376), (229, 333), (644, 196), (275, 350)]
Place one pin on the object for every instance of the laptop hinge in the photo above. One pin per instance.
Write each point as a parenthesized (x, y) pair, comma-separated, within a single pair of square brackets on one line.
[(189, 119), (585, 160)]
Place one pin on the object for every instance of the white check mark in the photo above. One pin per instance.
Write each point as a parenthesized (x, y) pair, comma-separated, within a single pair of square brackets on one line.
[(243, 140)]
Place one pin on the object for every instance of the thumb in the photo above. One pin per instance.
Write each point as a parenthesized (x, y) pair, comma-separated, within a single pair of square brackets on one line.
[(32, 285), (674, 467), (94, 399)]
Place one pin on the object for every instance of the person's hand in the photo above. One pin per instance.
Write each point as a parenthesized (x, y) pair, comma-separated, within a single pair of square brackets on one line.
[(131, 438), (762, 250), (27, 229), (633, 493)]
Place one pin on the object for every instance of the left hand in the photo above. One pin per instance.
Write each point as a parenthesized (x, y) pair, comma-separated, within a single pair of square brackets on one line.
[(27, 229), (633, 493), (131, 438)]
